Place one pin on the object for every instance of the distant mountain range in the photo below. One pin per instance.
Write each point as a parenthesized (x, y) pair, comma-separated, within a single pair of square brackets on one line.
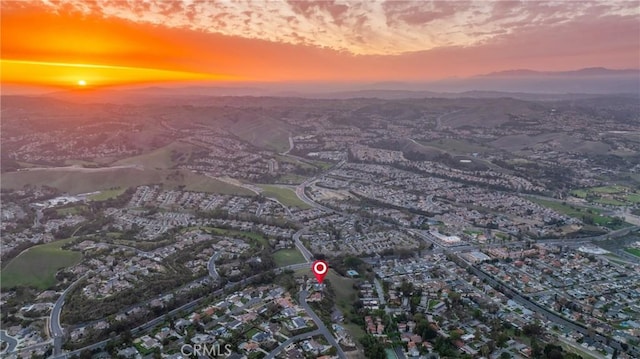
[(590, 71), (522, 84), (587, 81)]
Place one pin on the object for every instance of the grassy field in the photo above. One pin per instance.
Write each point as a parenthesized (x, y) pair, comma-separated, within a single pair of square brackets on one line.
[(71, 210), (578, 212), (615, 195), (291, 178), (580, 193), (257, 237), (572, 211), (297, 162), (610, 201), (342, 286), (78, 163), (608, 189), (458, 147), (75, 181), (322, 164), (108, 194), (284, 195), (633, 197), (285, 257), (37, 266), (345, 296), (163, 158), (634, 251), (270, 134)]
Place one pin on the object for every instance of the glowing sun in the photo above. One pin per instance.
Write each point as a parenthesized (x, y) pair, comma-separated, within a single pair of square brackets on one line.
[(82, 83)]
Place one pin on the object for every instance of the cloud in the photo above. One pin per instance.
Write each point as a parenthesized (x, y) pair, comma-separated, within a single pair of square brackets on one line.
[(326, 41), (420, 13), (376, 27)]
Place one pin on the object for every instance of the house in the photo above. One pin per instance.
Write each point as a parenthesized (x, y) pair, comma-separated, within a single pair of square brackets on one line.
[(129, 353), (298, 323), (260, 337)]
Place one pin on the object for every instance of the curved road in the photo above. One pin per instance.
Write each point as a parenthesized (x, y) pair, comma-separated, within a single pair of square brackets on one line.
[(213, 273), (292, 340), (11, 341), (303, 196), (305, 252), (54, 319)]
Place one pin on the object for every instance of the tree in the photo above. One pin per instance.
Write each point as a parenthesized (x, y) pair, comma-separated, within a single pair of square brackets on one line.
[(555, 352), (373, 348), (425, 330), (505, 355), (532, 330), (536, 350), (406, 288)]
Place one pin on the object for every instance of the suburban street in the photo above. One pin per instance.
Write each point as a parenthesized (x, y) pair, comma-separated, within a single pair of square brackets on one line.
[(152, 323), (292, 340), (211, 266), (54, 319), (302, 298), (546, 312)]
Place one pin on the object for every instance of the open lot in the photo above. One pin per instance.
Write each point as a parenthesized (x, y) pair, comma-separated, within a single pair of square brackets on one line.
[(37, 266)]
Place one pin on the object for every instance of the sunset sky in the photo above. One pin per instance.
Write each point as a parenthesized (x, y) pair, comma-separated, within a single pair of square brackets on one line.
[(105, 43)]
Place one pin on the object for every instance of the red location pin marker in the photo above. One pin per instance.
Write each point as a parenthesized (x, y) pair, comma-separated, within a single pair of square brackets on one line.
[(320, 269)]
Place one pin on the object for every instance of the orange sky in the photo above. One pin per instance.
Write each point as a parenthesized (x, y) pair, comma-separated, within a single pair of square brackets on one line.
[(112, 42)]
